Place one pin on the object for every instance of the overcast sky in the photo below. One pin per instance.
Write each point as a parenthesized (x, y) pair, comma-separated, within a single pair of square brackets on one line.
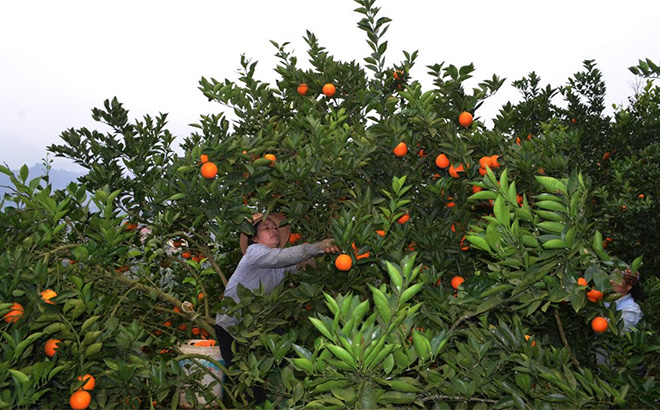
[(59, 59)]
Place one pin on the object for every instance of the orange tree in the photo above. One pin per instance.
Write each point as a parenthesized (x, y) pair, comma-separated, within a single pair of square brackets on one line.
[(140, 249)]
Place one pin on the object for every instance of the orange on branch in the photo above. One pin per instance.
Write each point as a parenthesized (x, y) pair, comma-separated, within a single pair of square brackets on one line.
[(441, 161), (80, 400), (302, 89), (403, 219), (456, 281), (595, 296), (51, 346), (47, 295), (209, 170), (599, 324), (15, 312), (90, 382), (329, 90), (400, 150), (343, 262), (465, 119)]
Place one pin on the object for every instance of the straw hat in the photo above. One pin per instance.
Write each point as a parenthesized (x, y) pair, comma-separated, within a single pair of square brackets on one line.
[(285, 230)]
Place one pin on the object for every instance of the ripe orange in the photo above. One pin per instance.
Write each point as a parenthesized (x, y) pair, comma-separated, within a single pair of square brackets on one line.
[(203, 158), (177, 244), (485, 161), (519, 199), (398, 75), (456, 281), (441, 161), (182, 327), (527, 337), (465, 119), (400, 150), (302, 89), (15, 313), (80, 400), (518, 141), (599, 324), (209, 170), (196, 331), (343, 262), (476, 188), (329, 90), (640, 196), (176, 309), (50, 347), (595, 296), (272, 158), (582, 282), (294, 237), (606, 156), (185, 255), (454, 171), (200, 296), (483, 171), (129, 226), (403, 219), (89, 384), (380, 232), (493, 161), (47, 295)]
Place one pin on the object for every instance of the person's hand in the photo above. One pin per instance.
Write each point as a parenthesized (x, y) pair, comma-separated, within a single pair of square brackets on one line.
[(328, 246)]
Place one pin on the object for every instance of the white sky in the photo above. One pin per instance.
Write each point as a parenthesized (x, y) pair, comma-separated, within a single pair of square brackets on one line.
[(59, 59)]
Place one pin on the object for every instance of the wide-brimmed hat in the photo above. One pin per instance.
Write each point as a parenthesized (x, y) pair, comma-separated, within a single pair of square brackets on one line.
[(284, 228)]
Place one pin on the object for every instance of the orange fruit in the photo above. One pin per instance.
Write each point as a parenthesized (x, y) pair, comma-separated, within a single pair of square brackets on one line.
[(465, 119), (196, 331), (177, 244), (398, 75), (129, 226), (80, 400), (485, 161), (606, 156), (454, 171), (519, 199), (89, 384), (573, 120), (185, 255), (640, 196), (50, 346), (441, 161), (167, 323), (421, 153), (203, 158), (493, 161), (209, 170), (176, 309), (195, 258), (200, 296), (529, 137), (294, 237), (182, 327), (15, 312), (527, 337), (329, 90), (343, 262), (272, 158), (400, 150), (403, 219), (582, 282), (302, 89), (518, 141), (47, 295), (476, 188), (456, 281), (595, 296), (483, 171), (599, 324), (380, 232)]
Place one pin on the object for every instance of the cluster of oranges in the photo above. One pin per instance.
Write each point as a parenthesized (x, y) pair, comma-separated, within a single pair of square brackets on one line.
[(81, 398), (594, 295)]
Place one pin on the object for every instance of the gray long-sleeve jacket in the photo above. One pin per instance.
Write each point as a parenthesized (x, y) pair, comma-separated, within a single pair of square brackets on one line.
[(264, 266)]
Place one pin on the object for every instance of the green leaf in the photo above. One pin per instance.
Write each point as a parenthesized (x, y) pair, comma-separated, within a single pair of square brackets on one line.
[(478, 242), (320, 326), (303, 364), (382, 304), (395, 276), (410, 292)]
